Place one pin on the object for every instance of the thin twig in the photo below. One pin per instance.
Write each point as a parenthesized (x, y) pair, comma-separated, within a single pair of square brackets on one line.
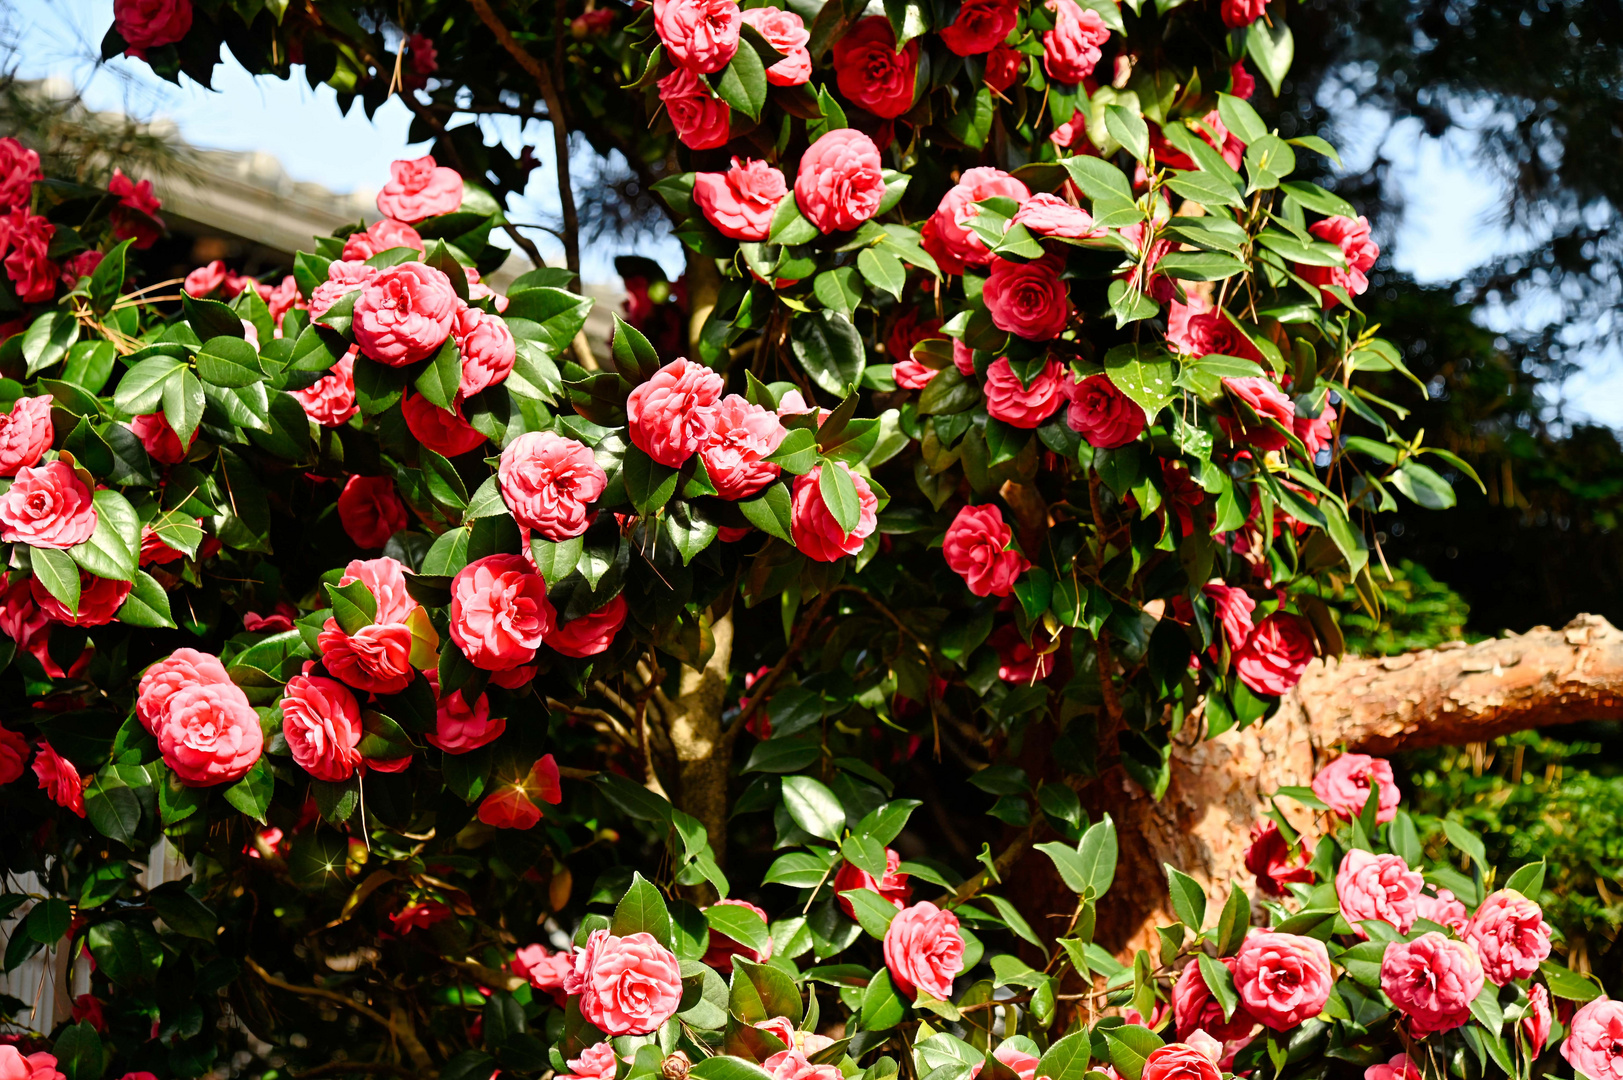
[(414, 1048)]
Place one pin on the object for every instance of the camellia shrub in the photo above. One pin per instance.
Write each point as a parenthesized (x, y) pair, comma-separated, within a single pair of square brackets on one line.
[(1021, 393)]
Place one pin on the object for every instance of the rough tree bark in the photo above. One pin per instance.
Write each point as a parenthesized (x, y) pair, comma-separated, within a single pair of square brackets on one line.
[(1451, 695), (697, 736)]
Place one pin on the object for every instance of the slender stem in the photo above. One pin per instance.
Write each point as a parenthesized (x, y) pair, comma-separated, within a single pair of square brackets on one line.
[(414, 1048)]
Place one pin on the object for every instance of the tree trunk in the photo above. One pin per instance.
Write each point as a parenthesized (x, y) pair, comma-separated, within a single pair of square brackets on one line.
[(696, 736), (1451, 695)]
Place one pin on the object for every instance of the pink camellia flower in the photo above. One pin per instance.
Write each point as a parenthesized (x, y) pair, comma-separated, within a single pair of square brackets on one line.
[(840, 182), (1432, 981), (1003, 66), (1380, 887), (60, 782), (14, 1065), (1050, 215), (1195, 330), (627, 985), (19, 172), (1238, 13), (150, 24), (1104, 416), (209, 734), (1018, 661), (977, 549), (590, 634), (700, 35), (1351, 235), (783, 1029), (14, 751), (330, 400), (159, 439), (1194, 1008), (1233, 607), (812, 526), (48, 506), (793, 1064), (99, 600), (1594, 1043), (549, 483), (29, 265), (1207, 1046), (1027, 299), (1536, 1020), (1071, 49), (721, 949), (980, 27), (371, 511), (961, 246), (1316, 432), (487, 347), (741, 201), (382, 235), (1399, 1068), (871, 72), (24, 622), (458, 726), (1179, 1061), (419, 189), (1264, 398), (670, 414), (205, 279), (25, 434), (734, 450), (377, 658), (923, 950), (321, 721), (1019, 405), (912, 375), (343, 277), (499, 612), (1510, 936), (596, 1062), (404, 314), (545, 971), (181, 668), (701, 119), (1275, 655), (1282, 979), (1344, 785), (893, 886), (786, 32), (154, 552), (1269, 858), (442, 431), (1444, 910)]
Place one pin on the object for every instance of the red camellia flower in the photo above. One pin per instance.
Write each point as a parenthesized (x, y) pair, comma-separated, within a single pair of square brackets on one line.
[(981, 26), (1102, 414), (590, 634), (893, 887), (1433, 980), (1283, 979), (1003, 67), (1345, 783), (48, 506), (420, 915), (977, 549), (701, 119), (812, 526), (1233, 607), (1013, 402), (499, 612), (1194, 1008), (955, 245), (734, 450), (786, 32), (136, 215), (1378, 887), (14, 752), (869, 70), (382, 235), (1241, 82), (370, 511), (721, 949), (487, 347), (1536, 1020), (29, 265), (840, 182), (59, 780), (1194, 329), (1273, 658), (741, 201), (99, 599), (209, 734), (181, 668), (1264, 398), (1510, 936), (444, 432), (1071, 49), (1238, 13), (404, 314), (419, 189), (19, 172), (1027, 299), (1352, 236), (700, 35), (150, 24), (330, 400), (377, 657), (159, 439), (321, 721), (25, 434), (1398, 1068), (1316, 433), (627, 985), (670, 414), (1269, 858), (546, 972), (1179, 1061), (549, 482), (458, 726), (923, 950), (1018, 661)]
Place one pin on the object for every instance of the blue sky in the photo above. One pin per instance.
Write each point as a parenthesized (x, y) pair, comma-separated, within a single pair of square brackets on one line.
[(1449, 224)]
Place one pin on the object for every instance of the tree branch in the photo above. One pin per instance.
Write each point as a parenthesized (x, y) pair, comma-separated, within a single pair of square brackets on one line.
[(403, 1032)]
